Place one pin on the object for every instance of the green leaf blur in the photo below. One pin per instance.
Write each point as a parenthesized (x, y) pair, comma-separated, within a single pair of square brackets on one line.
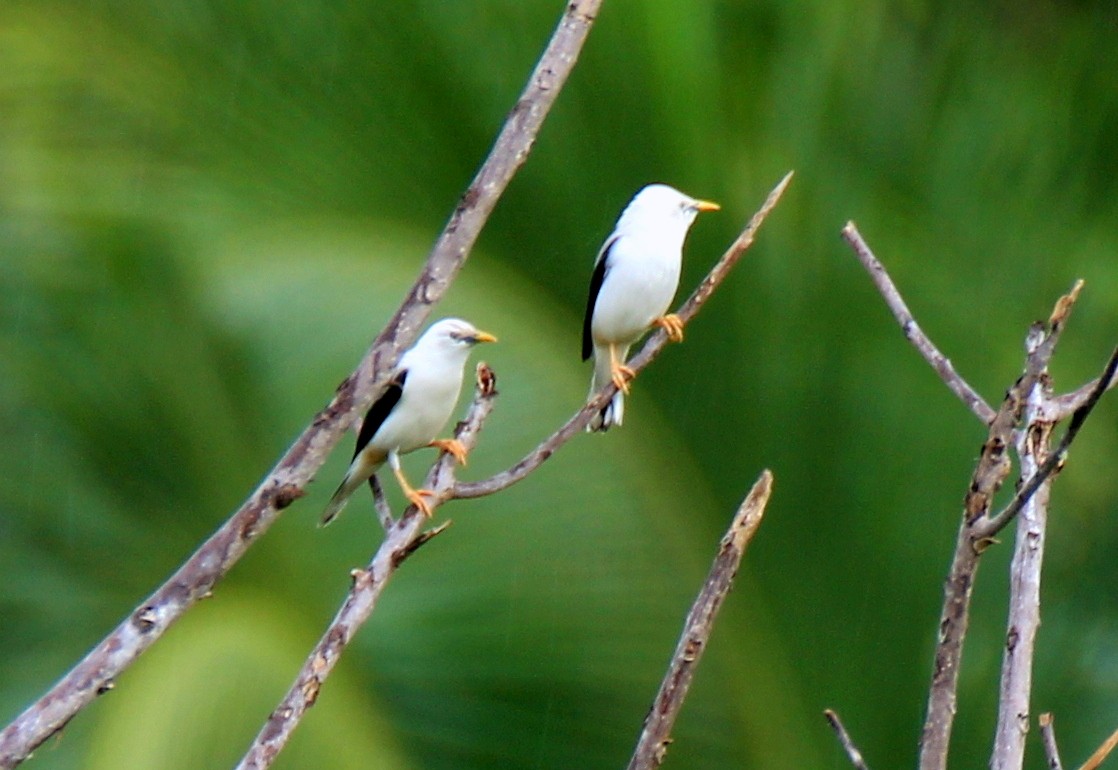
[(208, 210)]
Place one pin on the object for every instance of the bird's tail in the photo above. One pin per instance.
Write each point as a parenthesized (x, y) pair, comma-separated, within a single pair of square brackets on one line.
[(341, 496), (614, 410)]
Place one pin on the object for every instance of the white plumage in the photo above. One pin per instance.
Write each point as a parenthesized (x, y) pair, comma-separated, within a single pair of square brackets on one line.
[(635, 278), (412, 411)]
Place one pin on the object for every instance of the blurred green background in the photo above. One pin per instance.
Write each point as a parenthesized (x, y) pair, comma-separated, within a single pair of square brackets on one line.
[(207, 211)]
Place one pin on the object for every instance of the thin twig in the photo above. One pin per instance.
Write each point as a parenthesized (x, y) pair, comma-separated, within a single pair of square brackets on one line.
[(403, 539), (652, 348), (1101, 753), (1048, 736), (847, 742), (288, 479), (912, 331), (380, 504), (1062, 406), (655, 735)]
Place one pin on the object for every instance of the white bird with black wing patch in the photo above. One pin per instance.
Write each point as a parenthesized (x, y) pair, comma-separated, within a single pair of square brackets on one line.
[(634, 280), (412, 411)]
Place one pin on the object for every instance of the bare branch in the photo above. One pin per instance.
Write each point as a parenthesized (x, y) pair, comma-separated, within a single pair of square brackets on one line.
[(1062, 406), (655, 735), (652, 348), (1101, 753), (912, 331), (847, 742), (954, 618), (1015, 687), (1048, 735), (990, 473), (288, 479), (402, 540), (1055, 461), (380, 504)]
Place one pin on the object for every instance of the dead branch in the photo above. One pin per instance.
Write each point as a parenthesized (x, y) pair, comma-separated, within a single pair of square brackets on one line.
[(287, 481), (655, 735), (912, 331), (1101, 753), (1055, 461), (994, 466), (847, 742), (401, 540), (1029, 402)]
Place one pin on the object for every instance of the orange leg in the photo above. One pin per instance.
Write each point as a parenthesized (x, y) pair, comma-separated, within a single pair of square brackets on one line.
[(619, 372), (415, 496), (451, 446)]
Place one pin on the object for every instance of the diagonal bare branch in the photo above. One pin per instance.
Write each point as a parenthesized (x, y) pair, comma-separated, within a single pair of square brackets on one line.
[(912, 331), (287, 481), (847, 742), (1101, 753), (655, 735)]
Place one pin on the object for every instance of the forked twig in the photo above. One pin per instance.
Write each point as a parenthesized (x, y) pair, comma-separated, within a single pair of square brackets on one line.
[(1029, 398)]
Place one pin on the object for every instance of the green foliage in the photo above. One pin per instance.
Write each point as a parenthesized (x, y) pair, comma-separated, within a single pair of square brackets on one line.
[(208, 210)]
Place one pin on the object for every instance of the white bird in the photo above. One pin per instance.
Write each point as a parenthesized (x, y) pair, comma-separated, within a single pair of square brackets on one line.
[(415, 407), (635, 278)]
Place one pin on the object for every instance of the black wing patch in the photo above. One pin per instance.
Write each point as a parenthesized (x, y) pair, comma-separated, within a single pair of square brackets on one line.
[(379, 411), (595, 286)]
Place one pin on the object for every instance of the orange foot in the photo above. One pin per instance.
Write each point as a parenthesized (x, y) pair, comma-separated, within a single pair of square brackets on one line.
[(619, 372), (672, 324), (417, 497), (451, 446), (621, 375)]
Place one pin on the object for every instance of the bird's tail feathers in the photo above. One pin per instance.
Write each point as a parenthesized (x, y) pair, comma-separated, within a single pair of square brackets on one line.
[(339, 499), (612, 414)]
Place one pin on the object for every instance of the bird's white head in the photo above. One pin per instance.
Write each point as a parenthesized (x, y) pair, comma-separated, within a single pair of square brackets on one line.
[(453, 334), (661, 206)]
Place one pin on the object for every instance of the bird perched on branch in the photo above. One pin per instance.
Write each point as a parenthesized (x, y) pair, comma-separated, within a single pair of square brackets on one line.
[(417, 404), (635, 278)]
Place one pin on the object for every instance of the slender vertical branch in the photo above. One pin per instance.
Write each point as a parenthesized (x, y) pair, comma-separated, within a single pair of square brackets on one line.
[(288, 479), (1037, 464), (1048, 735), (655, 735), (1015, 689)]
